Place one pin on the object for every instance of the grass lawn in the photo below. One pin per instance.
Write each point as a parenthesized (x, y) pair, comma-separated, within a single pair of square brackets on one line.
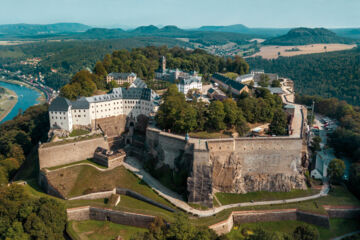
[(338, 196), (207, 135), (338, 227), (230, 198), (102, 230), (78, 132), (86, 179), (281, 226)]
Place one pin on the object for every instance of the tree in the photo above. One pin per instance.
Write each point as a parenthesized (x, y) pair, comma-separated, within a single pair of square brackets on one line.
[(275, 83), (125, 85), (112, 85), (336, 170), (231, 112), (306, 232), (315, 144), (261, 234), (100, 69), (264, 80), (81, 84), (278, 124), (216, 115)]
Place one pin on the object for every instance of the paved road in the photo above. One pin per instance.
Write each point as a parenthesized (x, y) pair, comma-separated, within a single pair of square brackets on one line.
[(133, 165), (346, 235)]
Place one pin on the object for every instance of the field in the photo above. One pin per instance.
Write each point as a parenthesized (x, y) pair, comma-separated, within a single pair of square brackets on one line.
[(271, 52), (10, 43)]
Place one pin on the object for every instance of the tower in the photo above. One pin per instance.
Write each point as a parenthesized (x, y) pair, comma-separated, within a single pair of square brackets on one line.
[(163, 63)]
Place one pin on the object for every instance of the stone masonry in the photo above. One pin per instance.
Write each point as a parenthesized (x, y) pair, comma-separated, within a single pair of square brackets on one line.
[(232, 165)]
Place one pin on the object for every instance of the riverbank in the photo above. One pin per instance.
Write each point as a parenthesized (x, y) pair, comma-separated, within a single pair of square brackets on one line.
[(41, 99), (26, 97), (8, 101)]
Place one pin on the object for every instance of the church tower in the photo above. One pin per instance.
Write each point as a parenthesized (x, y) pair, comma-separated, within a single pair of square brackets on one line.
[(163, 64)]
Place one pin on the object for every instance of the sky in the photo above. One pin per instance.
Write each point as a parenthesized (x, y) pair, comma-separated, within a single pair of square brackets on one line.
[(184, 13)]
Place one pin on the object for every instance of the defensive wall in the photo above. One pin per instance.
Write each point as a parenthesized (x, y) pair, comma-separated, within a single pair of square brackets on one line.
[(322, 220), (239, 217), (46, 176), (58, 153), (223, 227), (234, 165), (103, 214)]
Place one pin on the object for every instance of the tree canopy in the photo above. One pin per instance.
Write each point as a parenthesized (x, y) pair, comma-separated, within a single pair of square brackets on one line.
[(25, 218)]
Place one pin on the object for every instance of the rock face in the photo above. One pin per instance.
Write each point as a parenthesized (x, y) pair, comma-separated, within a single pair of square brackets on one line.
[(233, 165)]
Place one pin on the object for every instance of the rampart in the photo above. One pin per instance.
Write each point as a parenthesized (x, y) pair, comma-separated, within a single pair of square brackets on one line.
[(103, 214), (51, 155), (239, 217), (233, 165)]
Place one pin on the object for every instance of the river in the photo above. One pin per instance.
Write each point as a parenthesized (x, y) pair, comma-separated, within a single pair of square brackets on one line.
[(27, 97)]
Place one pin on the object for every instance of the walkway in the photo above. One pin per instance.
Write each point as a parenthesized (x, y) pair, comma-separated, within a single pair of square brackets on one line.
[(134, 166), (346, 235)]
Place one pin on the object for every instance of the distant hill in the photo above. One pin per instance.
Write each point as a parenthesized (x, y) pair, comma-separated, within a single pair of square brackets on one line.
[(238, 28), (348, 32), (204, 37), (304, 36), (145, 29), (36, 29)]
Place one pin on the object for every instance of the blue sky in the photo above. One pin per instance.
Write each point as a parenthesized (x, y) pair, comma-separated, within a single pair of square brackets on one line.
[(184, 13)]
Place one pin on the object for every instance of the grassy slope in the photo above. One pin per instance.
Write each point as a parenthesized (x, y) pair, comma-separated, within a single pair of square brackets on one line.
[(338, 196), (338, 227), (229, 198), (101, 230)]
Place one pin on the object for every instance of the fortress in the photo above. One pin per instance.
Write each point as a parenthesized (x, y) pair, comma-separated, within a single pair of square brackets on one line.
[(230, 165)]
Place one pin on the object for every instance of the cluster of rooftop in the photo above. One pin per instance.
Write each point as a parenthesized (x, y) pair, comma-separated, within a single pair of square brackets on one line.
[(185, 80)]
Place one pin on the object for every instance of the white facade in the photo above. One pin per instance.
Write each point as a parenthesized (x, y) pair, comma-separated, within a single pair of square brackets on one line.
[(62, 119), (246, 78), (82, 112), (191, 83)]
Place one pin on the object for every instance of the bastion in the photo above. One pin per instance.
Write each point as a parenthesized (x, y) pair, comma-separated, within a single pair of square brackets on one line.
[(232, 165)]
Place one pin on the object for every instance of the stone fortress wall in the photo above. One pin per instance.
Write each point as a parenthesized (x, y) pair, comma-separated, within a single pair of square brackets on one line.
[(103, 214), (232, 165), (52, 155)]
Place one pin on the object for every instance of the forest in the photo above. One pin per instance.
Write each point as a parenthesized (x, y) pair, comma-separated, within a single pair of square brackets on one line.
[(25, 217), (19, 137), (333, 74), (144, 62), (68, 57), (346, 138)]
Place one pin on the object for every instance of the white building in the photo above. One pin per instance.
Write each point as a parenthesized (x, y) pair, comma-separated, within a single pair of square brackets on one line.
[(246, 78), (121, 78), (323, 159), (66, 115), (186, 84)]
